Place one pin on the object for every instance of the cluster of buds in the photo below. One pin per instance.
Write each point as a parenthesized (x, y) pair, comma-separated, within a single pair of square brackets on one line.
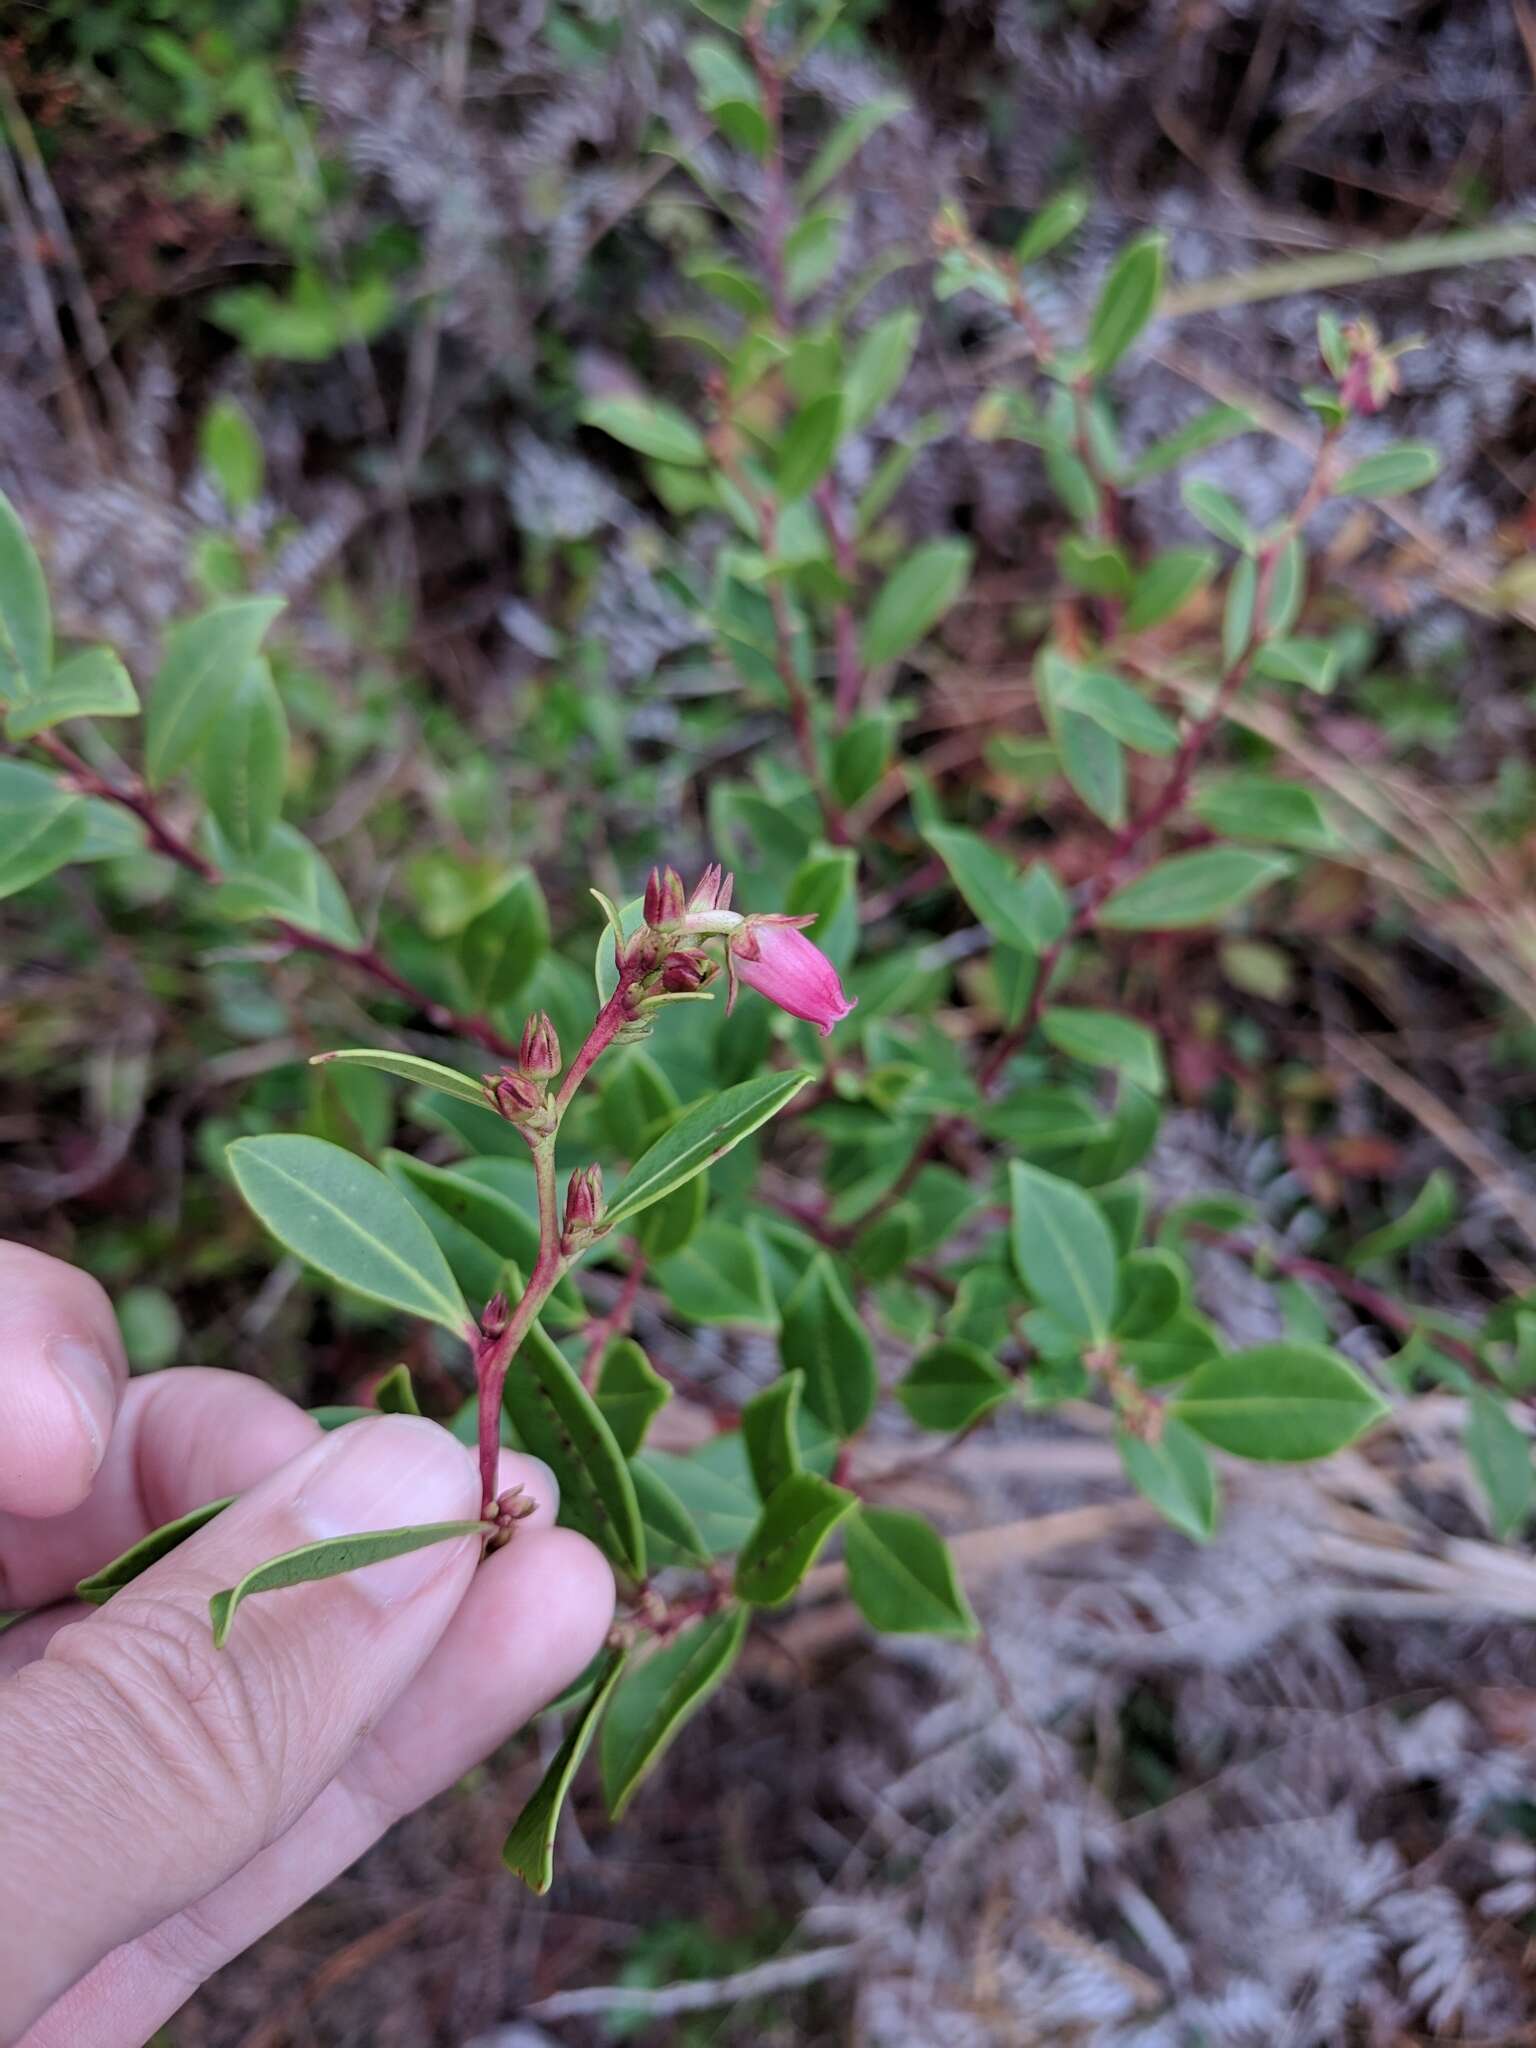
[(765, 950), (1364, 367), (521, 1093), (583, 1208)]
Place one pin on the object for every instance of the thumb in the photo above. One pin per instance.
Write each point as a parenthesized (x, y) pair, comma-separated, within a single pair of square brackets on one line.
[(139, 1766)]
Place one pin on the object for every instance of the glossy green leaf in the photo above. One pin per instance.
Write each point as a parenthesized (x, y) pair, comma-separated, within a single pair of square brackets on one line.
[(558, 1420), (1405, 466), (902, 1576), (878, 366), (530, 1847), (672, 1536), (813, 248), (1101, 567), (480, 1230), (1287, 587), (825, 886), (1191, 889), (1154, 1288), (91, 684), (1063, 1251), (630, 1392), (1093, 761), (328, 1559), (887, 1245), (499, 950), (287, 878), (407, 1066), (796, 1521), (1060, 217), (1112, 704), (42, 825), (1014, 909), (659, 1693), (1500, 1455), (342, 1217), (26, 621), (1237, 614), (719, 1277), (768, 1431), (846, 140), (822, 1336), (1255, 806), (1219, 514), (953, 1384), (1207, 429), (1166, 585), (1279, 1403), (111, 1578), (1312, 663), (1432, 1210), (1104, 1038), (1175, 1474), (1127, 301), (714, 1485), (810, 442), (915, 597), (861, 756), (206, 660), (244, 768), (649, 427), (703, 1134), (396, 1394)]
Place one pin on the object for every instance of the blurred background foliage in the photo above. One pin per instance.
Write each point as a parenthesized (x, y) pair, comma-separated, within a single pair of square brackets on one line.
[(317, 298)]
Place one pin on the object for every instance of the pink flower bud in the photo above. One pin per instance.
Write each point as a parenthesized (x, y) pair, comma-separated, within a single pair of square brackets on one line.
[(513, 1095), (496, 1316), (583, 1200), (539, 1054), (773, 956), (681, 973), (664, 902), (713, 889)]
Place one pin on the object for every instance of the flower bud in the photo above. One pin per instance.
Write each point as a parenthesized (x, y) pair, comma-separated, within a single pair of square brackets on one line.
[(583, 1202), (539, 1054), (495, 1316), (664, 902), (713, 889), (513, 1095), (682, 973), (773, 956)]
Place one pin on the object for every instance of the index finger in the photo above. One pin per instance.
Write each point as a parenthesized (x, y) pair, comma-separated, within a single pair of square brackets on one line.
[(62, 1375)]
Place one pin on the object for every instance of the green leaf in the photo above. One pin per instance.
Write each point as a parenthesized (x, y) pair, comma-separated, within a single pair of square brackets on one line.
[(557, 1419), (1219, 514), (530, 1847), (809, 445), (1312, 663), (499, 950), (703, 1134), (1405, 466), (138, 1557), (796, 1521), (1237, 612), (915, 597), (1127, 302), (342, 1217), (995, 891), (671, 1534), (768, 1431), (244, 768), (1059, 217), (395, 1394), (1093, 761), (887, 1245), (649, 427), (1500, 1455), (719, 1277), (823, 1337), (659, 1693), (714, 1486), (630, 1393), (812, 251), (638, 1101), (1256, 806), (902, 1576), (1432, 1209), (861, 755), (406, 1066), (1112, 704), (288, 878), (1166, 585), (878, 367), (1063, 1251), (1154, 1288), (845, 142), (1191, 889), (1103, 1038), (1098, 566), (231, 449), (1287, 587), (952, 1384), (1175, 1474), (1279, 1403), (1206, 430), (206, 660), (1178, 1347), (26, 622), (328, 1559), (91, 684), (42, 825)]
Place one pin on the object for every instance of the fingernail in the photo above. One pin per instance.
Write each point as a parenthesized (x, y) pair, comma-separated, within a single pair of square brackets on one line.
[(390, 1472), (84, 1374)]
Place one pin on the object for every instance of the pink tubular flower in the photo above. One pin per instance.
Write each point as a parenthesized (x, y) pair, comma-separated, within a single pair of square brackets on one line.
[(772, 955)]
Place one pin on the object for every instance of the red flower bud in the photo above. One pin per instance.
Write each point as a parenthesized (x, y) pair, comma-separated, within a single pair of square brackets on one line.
[(512, 1095), (583, 1200), (681, 973), (539, 1053), (773, 956), (496, 1316), (664, 902)]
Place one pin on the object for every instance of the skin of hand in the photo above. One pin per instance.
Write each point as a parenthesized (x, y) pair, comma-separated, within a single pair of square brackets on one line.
[(163, 1803)]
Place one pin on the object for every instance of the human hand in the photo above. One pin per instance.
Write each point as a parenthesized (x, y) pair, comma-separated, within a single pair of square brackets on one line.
[(163, 1803)]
